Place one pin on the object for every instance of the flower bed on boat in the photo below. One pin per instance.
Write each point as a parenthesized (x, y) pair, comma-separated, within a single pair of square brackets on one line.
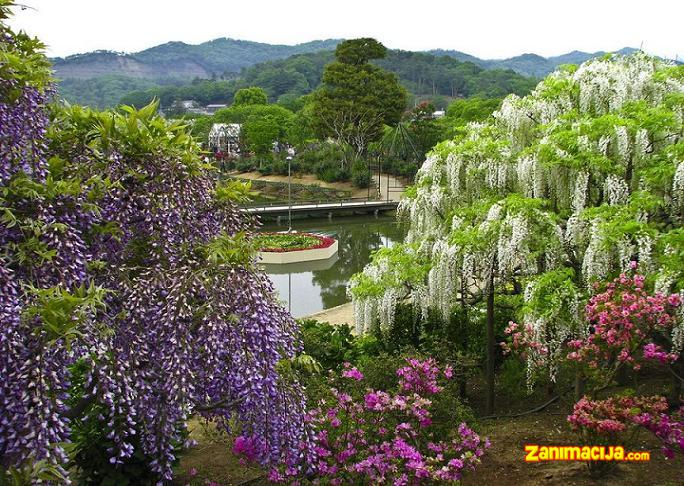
[(287, 242)]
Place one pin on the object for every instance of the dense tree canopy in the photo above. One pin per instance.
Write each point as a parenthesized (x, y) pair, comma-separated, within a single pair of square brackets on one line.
[(420, 73), (250, 96), (357, 98)]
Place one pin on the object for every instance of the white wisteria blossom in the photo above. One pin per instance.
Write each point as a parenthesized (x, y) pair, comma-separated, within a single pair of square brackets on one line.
[(582, 176)]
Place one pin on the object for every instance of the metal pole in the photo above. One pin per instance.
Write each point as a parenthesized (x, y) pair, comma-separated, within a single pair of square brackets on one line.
[(369, 182), (289, 195), (388, 187)]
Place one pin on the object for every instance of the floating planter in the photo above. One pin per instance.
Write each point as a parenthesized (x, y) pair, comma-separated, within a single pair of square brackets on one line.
[(280, 248)]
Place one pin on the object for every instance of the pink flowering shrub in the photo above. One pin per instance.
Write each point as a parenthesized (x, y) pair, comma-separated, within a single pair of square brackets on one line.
[(364, 435), (627, 326), (668, 428), (626, 320), (610, 421), (521, 341), (612, 416)]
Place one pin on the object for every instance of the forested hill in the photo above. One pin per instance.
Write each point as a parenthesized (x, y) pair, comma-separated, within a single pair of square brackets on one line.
[(213, 71), (421, 74), (178, 60), (529, 64)]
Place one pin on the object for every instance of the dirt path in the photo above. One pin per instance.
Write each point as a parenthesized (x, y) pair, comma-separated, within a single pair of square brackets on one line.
[(503, 465), (306, 179), (396, 186)]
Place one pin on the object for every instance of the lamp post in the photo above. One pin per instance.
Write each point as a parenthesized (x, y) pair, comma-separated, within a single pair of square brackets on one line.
[(290, 154)]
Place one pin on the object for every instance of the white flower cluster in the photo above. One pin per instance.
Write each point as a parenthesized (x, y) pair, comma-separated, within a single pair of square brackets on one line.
[(596, 262), (444, 278), (678, 329), (579, 197), (625, 250), (622, 144), (678, 190), (530, 176), (605, 85), (511, 248), (645, 250), (425, 212), (526, 150), (616, 190), (551, 328)]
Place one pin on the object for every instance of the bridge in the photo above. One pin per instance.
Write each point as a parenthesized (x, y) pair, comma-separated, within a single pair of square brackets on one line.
[(323, 208)]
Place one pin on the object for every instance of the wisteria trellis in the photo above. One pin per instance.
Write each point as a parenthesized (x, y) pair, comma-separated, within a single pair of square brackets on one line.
[(118, 251), (559, 188)]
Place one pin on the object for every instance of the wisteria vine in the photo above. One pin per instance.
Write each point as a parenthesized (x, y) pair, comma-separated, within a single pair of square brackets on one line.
[(121, 254)]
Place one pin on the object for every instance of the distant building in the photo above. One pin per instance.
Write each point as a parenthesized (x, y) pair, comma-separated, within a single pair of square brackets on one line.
[(224, 139), (211, 109), (188, 104), (439, 114)]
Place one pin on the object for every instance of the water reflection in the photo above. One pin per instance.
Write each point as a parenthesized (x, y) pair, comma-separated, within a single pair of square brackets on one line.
[(310, 287)]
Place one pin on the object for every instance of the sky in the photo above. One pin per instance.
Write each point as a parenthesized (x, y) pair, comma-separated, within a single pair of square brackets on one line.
[(484, 28)]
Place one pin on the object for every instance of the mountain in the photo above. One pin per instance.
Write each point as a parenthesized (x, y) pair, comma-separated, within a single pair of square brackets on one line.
[(439, 78), (103, 78), (530, 64), (178, 60)]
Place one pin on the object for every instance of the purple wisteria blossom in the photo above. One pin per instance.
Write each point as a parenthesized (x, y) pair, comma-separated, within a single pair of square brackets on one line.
[(116, 254)]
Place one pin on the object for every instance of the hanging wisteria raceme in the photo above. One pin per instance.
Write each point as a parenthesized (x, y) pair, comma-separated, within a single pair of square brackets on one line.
[(39, 248), (124, 257), (602, 145)]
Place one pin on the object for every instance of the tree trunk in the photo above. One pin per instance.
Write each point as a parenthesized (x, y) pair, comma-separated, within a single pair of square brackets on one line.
[(462, 386), (490, 346), (675, 398), (580, 383)]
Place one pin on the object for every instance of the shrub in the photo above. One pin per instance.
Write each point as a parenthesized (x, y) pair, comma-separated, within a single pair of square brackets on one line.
[(360, 174), (331, 171), (333, 345), (613, 421), (245, 165), (366, 435)]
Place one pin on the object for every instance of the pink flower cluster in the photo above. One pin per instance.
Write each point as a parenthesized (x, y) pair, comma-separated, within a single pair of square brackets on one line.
[(668, 428), (248, 448), (607, 418), (521, 341), (614, 414), (351, 372), (387, 437), (625, 320), (421, 376)]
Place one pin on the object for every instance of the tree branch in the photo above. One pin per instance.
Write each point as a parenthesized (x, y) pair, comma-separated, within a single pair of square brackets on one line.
[(534, 410), (223, 403)]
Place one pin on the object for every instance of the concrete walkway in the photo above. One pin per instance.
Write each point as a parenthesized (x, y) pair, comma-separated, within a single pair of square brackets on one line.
[(340, 315), (396, 187)]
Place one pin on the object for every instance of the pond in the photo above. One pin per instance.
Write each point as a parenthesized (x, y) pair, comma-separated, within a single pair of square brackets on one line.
[(310, 287)]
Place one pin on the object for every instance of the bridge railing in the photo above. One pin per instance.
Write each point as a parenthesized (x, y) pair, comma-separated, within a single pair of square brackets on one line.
[(312, 202)]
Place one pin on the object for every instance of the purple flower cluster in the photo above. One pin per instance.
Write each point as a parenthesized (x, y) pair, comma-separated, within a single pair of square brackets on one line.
[(133, 212), (386, 437), (668, 428)]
